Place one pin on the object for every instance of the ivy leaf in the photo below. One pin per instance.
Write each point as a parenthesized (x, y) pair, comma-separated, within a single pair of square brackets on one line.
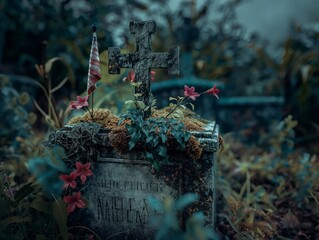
[(163, 138), (135, 136), (155, 142), (149, 138), (156, 165), (149, 156), (162, 150), (187, 135), (131, 145)]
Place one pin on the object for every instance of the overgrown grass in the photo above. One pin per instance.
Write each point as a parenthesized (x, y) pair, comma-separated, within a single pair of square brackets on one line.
[(270, 189)]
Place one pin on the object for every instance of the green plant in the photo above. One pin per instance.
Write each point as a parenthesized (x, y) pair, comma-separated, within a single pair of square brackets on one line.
[(26, 212), (153, 134), (168, 224), (54, 116)]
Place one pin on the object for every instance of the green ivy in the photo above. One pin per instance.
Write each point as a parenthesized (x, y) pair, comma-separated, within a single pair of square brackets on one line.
[(152, 134)]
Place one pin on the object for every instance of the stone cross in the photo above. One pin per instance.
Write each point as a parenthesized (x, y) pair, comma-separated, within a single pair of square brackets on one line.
[(143, 60)]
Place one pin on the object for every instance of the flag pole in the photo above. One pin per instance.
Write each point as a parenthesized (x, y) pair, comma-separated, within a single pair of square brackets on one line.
[(94, 30), (94, 73), (92, 103)]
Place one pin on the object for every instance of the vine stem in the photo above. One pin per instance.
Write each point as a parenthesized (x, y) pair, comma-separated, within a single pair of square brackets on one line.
[(92, 105), (177, 105), (91, 113), (180, 103)]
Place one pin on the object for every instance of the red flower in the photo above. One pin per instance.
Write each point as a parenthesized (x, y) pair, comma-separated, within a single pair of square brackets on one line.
[(190, 92), (214, 91), (131, 76), (83, 171), (73, 202), (69, 180), (152, 75), (80, 103)]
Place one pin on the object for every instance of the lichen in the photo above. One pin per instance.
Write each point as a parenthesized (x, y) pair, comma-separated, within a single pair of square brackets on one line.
[(119, 139), (194, 150), (80, 141), (104, 117)]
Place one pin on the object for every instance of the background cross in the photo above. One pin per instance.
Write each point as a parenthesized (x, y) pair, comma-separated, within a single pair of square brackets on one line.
[(143, 60)]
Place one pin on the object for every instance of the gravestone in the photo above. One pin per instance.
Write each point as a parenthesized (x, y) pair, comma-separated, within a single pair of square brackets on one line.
[(122, 182)]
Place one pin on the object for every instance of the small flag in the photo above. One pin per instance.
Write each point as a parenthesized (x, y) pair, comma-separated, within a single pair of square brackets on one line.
[(94, 74)]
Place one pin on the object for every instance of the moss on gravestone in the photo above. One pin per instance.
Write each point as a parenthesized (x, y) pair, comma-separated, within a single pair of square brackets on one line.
[(119, 136)]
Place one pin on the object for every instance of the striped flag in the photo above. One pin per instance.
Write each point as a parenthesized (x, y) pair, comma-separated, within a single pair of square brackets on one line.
[(94, 74)]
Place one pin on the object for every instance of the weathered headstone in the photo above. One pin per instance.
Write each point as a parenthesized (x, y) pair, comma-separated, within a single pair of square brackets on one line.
[(122, 182), (143, 59)]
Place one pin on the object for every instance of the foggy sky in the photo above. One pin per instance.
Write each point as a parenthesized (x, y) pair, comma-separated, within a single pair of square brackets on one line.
[(272, 18)]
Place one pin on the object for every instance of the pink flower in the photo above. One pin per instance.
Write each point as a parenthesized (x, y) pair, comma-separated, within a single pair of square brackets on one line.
[(73, 202), (213, 91), (80, 103), (131, 76), (69, 180), (152, 75), (190, 92), (83, 171)]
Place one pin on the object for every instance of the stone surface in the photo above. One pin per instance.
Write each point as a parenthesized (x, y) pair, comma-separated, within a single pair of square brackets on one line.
[(143, 59), (118, 197), (122, 182)]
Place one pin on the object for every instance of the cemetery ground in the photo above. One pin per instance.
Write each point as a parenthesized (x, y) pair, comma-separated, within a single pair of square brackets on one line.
[(265, 190), (259, 182)]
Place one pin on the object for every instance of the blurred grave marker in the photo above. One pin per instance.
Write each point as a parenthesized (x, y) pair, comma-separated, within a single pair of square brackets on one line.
[(187, 35), (233, 113)]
